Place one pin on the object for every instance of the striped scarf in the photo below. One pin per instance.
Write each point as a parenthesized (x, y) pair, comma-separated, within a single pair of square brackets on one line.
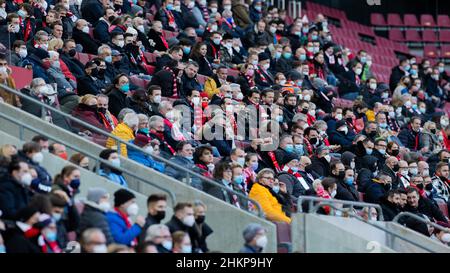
[(205, 13), (175, 84)]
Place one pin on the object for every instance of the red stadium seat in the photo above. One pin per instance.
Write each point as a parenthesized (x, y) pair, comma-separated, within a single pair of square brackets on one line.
[(233, 72), (444, 36), (22, 76), (427, 20), (377, 19), (442, 206), (443, 20), (412, 35), (284, 239), (430, 51), (445, 51), (396, 35), (151, 57), (394, 19), (410, 20), (82, 57), (429, 35)]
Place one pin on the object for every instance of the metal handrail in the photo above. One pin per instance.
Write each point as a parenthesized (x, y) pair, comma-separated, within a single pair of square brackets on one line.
[(260, 212), (97, 159), (420, 219), (352, 204), (359, 218)]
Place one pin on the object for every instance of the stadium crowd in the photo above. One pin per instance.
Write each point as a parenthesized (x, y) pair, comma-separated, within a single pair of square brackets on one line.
[(389, 145)]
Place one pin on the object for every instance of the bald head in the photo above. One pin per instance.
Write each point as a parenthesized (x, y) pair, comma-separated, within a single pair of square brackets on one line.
[(423, 168), (391, 161), (403, 164), (304, 162)]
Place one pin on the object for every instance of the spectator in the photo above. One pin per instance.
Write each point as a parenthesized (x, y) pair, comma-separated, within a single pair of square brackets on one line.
[(145, 159), (420, 205), (411, 136), (377, 188), (15, 237), (82, 37), (124, 131), (184, 157), (156, 207), (110, 171), (122, 230), (262, 193), (181, 242), (93, 241), (390, 205), (255, 239), (201, 230), (96, 206), (183, 218), (159, 235), (117, 94)]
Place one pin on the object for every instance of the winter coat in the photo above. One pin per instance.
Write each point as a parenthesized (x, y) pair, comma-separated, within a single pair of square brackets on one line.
[(178, 174), (269, 203), (145, 160), (119, 230), (123, 132), (13, 197), (93, 217)]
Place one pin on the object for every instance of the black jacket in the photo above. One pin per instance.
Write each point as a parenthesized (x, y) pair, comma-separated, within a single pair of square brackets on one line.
[(13, 197), (117, 101), (175, 225), (91, 10), (392, 174), (390, 210), (87, 85), (198, 234), (16, 242), (74, 65), (101, 31), (320, 166), (429, 209), (188, 84), (157, 39), (89, 45), (204, 66), (396, 75), (293, 185), (93, 217), (410, 139), (149, 221), (164, 79), (375, 192), (346, 192)]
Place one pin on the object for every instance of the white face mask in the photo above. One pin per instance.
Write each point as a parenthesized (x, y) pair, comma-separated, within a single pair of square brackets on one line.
[(149, 149), (240, 96), (189, 220), (26, 179), (186, 249), (23, 53), (85, 29), (196, 101), (413, 171), (328, 158), (333, 194), (213, 10), (266, 66), (105, 206), (282, 82), (157, 99), (115, 162), (120, 43), (261, 241), (352, 165), (133, 209), (141, 28), (445, 238), (167, 245), (37, 158), (358, 71), (339, 117), (404, 173), (100, 249), (373, 86), (3, 70)]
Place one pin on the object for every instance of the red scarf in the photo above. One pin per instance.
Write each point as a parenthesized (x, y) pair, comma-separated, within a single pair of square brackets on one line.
[(309, 147), (127, 222), (250, 80), (207, 172), (175, 84), (446, 140), (47, 246), (27, 28), (204, 10), (162, 139), (275, 162), (171, 19), (163, 40), (261, 74), (216, 52)]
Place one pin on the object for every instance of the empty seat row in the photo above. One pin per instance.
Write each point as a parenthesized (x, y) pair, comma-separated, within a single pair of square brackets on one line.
[(409, 20), (412, 35), (432, 52)]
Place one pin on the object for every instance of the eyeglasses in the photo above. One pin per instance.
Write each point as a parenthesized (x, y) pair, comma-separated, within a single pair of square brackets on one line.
[(268, 178)]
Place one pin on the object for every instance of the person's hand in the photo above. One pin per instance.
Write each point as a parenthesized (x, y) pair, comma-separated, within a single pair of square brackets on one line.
[(140, 220), (425, 149), (63, 195), (10, 28), (283, 187), (216, 61)]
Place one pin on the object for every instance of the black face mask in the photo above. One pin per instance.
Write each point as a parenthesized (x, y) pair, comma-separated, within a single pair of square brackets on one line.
[(349, 120), (420, 186), (372, 134), (159, 215), (200, 219), (373, 168), (72, 52), (94, 72), (313, 141), (429, 187), (341, 175), (305, 111), (433, 131), (111, 18), (92, 107), (117, 7), (396, 168), (101, 73), (102, 110), (395, 152)]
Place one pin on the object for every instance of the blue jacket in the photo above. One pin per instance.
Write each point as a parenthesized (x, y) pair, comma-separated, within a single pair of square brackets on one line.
[(374, 193), (119, 231), (116, 178), (101, 31), (145, 160), (410, 139)]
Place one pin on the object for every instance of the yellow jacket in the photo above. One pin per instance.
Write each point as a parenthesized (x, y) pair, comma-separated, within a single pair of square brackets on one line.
[(211, 87), (370, 114), (123, 132), (268, 203)]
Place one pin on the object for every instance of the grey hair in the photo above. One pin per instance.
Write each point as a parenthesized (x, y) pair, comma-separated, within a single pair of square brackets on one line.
[(164, 104), (123, 112), (52, 53), (131, 119), (35, 82), (101, 48), (199, 203), (87, 234), (153, 120), (154, 231)]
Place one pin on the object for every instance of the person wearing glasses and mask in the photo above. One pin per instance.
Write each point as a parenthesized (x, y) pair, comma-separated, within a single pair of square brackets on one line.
[(263, 193)]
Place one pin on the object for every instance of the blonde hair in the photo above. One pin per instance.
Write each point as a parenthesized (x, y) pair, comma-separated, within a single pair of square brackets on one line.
[(86, 98), (55, 44)]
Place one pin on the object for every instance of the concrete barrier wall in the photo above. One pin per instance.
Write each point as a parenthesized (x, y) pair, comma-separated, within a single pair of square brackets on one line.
[(227, 221), (327, 236)]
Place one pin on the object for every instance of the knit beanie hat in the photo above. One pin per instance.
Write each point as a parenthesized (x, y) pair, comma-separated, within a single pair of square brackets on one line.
[(122, 196), (95, 194)]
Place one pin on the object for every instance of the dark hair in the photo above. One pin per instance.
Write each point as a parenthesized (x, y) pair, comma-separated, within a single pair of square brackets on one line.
[(18, 44), (57, 201), (308, 130), (30, 147), (76, 158), (181, 206), (181, 145), (14, 165), (155, 198), (253, 91), (106, 153), (328, 182), (175, 48), (152, 88), (334, 163), (195, 52), (38, 138), (220, 169), (42, 203), (189, 92), (199, 152), (411, 190), (66, 171), (140, 248)]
